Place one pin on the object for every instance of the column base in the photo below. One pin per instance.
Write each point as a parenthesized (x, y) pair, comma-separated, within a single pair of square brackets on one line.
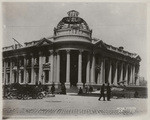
[(57, 85), (113, 85), (87, 84), (67, 85), (93, 83), (80, 85)]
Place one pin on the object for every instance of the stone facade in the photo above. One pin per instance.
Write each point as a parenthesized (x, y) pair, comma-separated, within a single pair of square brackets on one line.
[(71, 57)]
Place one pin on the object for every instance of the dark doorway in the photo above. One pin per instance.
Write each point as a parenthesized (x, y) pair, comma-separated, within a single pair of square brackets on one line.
[(73, 68), (97, 68), (84, 64), (63, 61), (106, 71)]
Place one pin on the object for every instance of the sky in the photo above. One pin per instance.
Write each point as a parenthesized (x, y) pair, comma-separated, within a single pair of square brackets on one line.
[(117, 24)]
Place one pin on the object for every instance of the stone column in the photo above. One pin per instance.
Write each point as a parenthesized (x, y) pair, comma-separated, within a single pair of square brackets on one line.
[(4, 79), (88, 70), (121, 73), (103, 71), (12, 78), (126, 74), (19, 74), (116, 74), (32, 69), (43, 72), (130, 76), (93, 70), (58, 70), (10, 71), (137, 80), (25, 70), (40, 67), (54, 67), (80, 84), (98, 76), (68, 69), (51, 67), (133, 75), (110, 72)]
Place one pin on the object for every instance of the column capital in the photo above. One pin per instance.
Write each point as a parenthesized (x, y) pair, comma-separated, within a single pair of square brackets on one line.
[(81, 51), (57, 52), (68, 51), (51, 52)]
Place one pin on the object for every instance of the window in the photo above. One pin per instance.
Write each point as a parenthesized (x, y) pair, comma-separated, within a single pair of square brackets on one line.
[(15, 77), (46, 76), (22, 76), (46, 59), (29, 76), (8, 64), (8, 77)]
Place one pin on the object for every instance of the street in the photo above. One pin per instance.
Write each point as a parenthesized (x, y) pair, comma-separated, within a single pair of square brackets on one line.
[(72, 105)]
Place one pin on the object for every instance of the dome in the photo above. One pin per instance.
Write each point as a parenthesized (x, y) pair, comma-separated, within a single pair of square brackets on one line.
[(72, 21), (72, 25)]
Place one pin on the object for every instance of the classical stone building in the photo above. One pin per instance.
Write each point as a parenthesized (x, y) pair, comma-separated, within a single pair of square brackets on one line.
[(71, 57)]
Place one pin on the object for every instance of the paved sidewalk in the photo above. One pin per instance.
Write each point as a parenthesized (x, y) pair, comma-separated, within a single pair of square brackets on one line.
[(73, 105)]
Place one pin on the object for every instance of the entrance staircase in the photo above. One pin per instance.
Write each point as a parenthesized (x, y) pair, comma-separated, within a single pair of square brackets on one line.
[(72, 89)]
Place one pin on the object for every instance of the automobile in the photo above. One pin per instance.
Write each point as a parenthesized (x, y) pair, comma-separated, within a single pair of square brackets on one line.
[(24, 92)]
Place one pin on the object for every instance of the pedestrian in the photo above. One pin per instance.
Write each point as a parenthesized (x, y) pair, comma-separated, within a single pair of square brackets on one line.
[(52, 89), (63, 89), (136, 94), (80, 91), (108, 92), (86, 89), (102, 94), (91, 89)]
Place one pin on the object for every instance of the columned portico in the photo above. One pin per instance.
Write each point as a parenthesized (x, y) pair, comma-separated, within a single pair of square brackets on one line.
[(72, 57)]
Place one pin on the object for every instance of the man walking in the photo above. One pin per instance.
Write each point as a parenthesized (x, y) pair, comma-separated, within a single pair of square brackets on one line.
[(53, 89), (108, 92), (102, 94)]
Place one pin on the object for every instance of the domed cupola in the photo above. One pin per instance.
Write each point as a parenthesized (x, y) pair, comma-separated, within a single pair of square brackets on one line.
[(72, 28)]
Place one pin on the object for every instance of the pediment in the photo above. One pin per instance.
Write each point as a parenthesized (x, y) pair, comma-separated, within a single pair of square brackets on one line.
[(100, 44), (138, 58), (44, 42)]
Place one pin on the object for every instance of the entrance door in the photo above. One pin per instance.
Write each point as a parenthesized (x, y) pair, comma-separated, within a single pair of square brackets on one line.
[(74, 68), (63, 67)]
